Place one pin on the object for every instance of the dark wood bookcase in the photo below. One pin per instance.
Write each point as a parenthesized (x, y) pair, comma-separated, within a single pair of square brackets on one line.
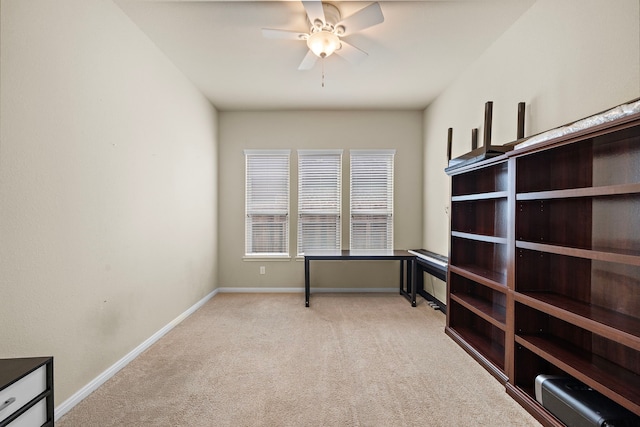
[(544, 274), (478, 263)]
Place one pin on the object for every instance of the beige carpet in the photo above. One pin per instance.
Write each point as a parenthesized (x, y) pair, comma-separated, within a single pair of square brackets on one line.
[(266, 360)]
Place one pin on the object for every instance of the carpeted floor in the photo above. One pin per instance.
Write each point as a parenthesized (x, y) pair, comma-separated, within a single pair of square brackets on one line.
[(266, 360)]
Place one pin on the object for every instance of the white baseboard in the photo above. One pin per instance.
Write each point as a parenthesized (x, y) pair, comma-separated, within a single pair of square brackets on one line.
[(85, 391), (230, 290), (234, 290)]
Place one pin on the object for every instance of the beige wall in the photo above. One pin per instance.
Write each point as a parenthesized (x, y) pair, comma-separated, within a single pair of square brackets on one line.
[(566, 59), (401, 130), (107, 188)]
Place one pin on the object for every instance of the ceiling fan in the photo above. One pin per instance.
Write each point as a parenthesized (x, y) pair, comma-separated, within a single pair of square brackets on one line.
[(327, 27)]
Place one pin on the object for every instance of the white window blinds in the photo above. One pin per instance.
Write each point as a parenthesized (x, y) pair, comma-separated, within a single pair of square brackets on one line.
[(319, 200), (267, 202), (371, 199)]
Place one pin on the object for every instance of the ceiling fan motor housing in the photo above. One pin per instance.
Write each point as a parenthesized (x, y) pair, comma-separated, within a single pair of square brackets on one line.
[(331, 17)]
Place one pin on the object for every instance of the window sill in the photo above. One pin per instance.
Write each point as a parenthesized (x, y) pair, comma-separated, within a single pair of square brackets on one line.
[(266, 258)]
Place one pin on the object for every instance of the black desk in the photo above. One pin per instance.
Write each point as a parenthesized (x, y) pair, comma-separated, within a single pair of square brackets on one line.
[(407, 263)]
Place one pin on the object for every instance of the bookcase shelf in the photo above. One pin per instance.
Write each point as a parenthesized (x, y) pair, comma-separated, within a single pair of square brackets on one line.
[(621, 328), (534, 354), (480, 338), (480, 257), (607, 157), (482, 308), (544, 266), (480, 196), (483, 301), (596, 222), (620, 385), (490, 279), (484, 217), (482, 183), (607, 190), (480, 237), (596, 253)]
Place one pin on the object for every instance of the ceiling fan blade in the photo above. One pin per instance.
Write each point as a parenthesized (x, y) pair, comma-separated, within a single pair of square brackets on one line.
[(308, 62), (351, 53), (314, 10), (269, 33), (364, 18)]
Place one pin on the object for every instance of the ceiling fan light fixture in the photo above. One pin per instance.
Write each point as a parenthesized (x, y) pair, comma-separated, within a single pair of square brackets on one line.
[(323, 43)]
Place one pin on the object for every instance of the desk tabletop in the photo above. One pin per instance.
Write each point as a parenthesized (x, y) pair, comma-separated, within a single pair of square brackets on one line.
[(362, 254)]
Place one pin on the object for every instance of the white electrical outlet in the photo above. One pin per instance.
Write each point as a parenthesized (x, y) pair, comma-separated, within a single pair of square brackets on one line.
[(263, 270)]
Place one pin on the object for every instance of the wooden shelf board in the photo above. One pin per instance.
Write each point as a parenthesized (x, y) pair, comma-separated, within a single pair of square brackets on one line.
[(608, 323), (605, 190), (489, 349), (600, 254), (615, 382), (492, 279), (480, 196), (482, 308), (480, 237), (480, 349)]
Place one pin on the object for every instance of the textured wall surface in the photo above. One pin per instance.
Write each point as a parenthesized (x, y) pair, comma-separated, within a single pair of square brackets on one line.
[(107, 188)]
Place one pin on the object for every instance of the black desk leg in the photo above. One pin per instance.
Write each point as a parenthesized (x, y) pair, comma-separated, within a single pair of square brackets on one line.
[(410, 290), (401, 276), (411, 278), (307, 285)]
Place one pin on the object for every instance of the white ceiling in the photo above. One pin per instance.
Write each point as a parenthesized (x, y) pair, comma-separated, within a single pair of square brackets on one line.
[(414, 54)]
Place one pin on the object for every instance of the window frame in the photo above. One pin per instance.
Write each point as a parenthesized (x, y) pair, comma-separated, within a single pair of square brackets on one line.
[(371, 199), (272, 180), (319, 196)]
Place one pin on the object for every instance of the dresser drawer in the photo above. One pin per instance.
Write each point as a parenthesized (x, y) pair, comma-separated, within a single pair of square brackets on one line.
[(22, 392), (34, 416)]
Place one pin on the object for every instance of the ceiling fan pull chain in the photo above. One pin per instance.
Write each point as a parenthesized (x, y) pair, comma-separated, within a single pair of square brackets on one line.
[(322, 60)]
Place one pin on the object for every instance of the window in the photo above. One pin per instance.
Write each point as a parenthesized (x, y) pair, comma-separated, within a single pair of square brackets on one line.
[(267, 202), (372, 199), (319, 200)]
